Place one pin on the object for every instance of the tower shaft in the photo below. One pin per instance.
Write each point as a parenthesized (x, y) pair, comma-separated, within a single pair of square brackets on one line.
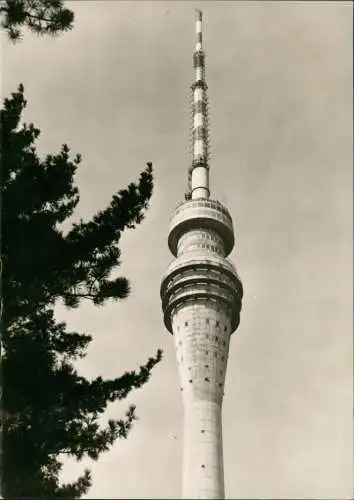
[(202, 332), (203, 470)]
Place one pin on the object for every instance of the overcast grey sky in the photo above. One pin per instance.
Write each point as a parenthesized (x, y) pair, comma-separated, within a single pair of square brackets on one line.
[(116, 89)]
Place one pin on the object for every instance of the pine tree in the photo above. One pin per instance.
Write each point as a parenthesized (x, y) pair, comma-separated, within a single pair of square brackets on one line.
[(43, 17), (48, 409)]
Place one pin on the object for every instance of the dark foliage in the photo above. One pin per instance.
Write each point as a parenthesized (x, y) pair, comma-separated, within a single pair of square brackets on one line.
[(48, 409), (43, 17)]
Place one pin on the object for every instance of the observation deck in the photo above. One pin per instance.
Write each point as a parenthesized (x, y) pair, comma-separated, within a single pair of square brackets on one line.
[(201, 214)]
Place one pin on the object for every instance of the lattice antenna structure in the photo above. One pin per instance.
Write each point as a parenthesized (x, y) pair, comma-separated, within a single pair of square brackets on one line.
[(198, 181)]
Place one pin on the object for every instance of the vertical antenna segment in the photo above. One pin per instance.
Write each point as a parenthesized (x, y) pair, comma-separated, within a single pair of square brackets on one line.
[(199, 170)]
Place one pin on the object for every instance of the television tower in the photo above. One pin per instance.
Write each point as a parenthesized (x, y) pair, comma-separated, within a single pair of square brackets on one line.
[(201, 300)]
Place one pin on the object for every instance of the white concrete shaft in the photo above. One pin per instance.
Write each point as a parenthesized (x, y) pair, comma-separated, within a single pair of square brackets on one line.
[(202, 335), (204, 240), (200, 182), (200, 192), (203, 471)]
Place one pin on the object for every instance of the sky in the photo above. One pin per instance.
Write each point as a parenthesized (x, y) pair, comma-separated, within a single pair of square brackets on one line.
[(116, 89)]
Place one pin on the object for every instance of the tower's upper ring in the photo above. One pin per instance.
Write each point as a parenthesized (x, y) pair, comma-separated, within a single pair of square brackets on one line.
[(201, 213)]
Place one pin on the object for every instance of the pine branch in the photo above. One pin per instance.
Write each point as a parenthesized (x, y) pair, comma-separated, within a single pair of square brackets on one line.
[(48, 408)]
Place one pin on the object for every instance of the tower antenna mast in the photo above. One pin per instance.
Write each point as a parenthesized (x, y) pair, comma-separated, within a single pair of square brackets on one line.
[(198, 173)]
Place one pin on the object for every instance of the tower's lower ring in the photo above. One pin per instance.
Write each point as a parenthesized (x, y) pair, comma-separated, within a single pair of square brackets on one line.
[(193, 281)]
